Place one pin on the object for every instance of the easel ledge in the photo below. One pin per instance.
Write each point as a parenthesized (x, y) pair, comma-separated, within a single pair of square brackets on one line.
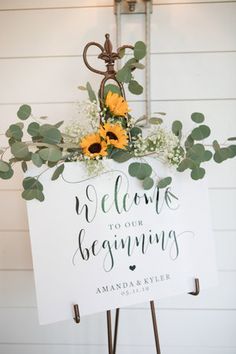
[(112, 341)]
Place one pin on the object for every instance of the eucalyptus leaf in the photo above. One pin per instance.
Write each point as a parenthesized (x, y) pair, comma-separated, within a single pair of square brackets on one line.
[(185, 164), (223, 154), (7, 175), (51, 154), (139, 50), (24, 112), (201, 132), (198, 173), (135, 88), (233, 150), (50, 134), (133, 168), (91, 93), (196, 153), (216, 145), (82, 88), (207, 155), (32, 183), (119, 155), (112, 88), (59, 170), (59, 124), (31, 194), (144, 171), (148, 183), (19, 150), (15, 132), (197, 117), (156, 121), (163, 183), (232, 138), (33, 129), (4, 166), (189, 142), (177, 128), (124, 74), (135, 131), (36, 159), (24, 166)]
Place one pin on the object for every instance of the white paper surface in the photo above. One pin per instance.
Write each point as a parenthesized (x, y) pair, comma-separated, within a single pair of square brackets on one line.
[(105, 242)]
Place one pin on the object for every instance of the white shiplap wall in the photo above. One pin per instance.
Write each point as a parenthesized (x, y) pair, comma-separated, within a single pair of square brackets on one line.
[(193, 69)]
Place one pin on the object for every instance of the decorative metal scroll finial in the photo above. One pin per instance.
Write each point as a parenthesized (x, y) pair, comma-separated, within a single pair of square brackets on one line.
[(109, 57)]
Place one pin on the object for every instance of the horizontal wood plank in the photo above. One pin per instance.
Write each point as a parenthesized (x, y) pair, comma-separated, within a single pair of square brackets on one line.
[(173, 28), (45, 4), (194, 76), (92, 329), (101, 349)]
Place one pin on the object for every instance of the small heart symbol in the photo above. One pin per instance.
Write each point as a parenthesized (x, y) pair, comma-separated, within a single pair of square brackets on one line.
[(132, 267)]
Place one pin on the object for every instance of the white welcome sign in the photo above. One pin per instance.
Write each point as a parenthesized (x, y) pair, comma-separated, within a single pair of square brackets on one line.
[(104, 242)]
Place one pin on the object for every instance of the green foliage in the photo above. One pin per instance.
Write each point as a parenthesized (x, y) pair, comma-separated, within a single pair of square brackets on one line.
[(36, 159), (135, 132), (135, 88), (50, 134), (24, 112), (24, 166), (4, 166), (197, 117), (198, 173), (124, 74), (20, 150), (51, 154), (7, 174), (201, 132), (33, 189), (155, 121), (15, 132), (58, 171), (91, 93), (177, 128), (139, 50), (189, 142), (112, 88), (142, 171), (163, 183), (33, 129), (119, 155), (148, 183), (222, 154)]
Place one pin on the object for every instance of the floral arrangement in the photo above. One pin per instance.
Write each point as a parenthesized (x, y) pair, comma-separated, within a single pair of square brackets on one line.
[(111, 132)]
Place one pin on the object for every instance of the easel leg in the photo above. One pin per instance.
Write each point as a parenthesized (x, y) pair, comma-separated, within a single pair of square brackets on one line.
[(109, 332), (116, 330), (154, 322)]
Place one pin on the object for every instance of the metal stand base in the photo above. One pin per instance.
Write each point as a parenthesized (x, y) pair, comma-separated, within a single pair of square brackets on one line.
[(112, 339)]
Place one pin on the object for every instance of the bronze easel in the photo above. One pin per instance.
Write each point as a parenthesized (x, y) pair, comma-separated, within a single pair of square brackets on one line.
[(110, 57), (112, 340)]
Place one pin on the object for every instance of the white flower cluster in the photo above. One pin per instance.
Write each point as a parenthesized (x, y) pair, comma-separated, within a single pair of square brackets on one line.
[(94, 167), (89, 113), (164, 144), (87, 122), (73, 132)]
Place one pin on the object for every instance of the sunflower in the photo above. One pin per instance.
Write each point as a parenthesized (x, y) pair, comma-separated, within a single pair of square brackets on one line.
[(114, 135), (93, 146), (116, 104)]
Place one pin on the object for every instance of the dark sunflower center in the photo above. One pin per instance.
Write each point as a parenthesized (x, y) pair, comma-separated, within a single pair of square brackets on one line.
[(95, 148), (112, 136)]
